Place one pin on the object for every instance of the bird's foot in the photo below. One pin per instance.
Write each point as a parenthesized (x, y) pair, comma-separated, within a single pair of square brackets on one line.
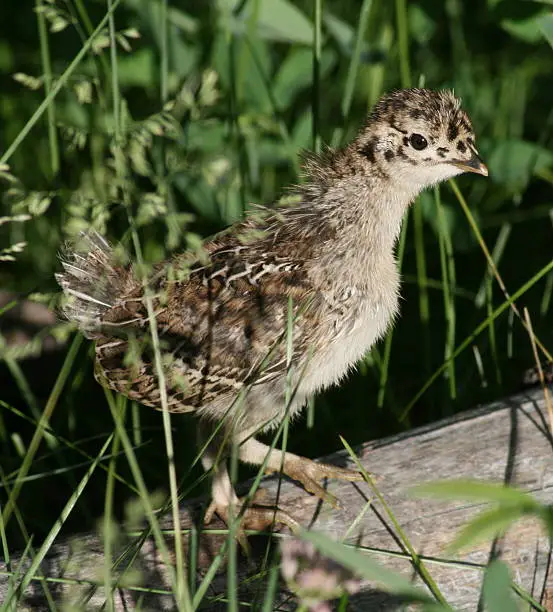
[(310, 473), (257, 516)]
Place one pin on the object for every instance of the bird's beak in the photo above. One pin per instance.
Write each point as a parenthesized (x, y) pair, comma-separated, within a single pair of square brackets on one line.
[(474, 164)]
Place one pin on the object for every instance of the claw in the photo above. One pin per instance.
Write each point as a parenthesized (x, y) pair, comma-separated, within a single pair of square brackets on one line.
[(256, 518), (210, 512), (310, 473)]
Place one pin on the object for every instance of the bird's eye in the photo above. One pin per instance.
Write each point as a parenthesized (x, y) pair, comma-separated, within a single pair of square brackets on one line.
[(418, 142)]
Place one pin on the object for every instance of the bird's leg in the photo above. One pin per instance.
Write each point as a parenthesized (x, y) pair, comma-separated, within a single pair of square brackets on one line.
[(228, 506), (309, 473)]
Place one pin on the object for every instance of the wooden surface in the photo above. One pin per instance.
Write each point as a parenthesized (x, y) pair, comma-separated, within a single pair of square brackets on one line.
[(508, 442)]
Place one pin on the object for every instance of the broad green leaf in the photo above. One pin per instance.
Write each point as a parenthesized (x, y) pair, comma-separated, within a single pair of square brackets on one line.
[(486, 526), (512, 162), (496, 590), (281, 20), (277, 20), (476, 490), (528, 30), (365, 567), (183, 21), (296, 74), (546, 27), (302, 132), (341, 31), (272, 154), (137, 69), (200, 195), (183, 54), (421, 25), (207, 136), (245, 67), (152, 11)]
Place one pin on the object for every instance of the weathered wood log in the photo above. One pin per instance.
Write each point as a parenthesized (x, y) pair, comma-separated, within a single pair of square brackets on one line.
[(508, 441)]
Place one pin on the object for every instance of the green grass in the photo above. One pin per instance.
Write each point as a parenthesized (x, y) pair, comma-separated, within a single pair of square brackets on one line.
[(162, 139)]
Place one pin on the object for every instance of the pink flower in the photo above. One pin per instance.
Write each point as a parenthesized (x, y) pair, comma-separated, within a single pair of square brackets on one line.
[(314, 578)]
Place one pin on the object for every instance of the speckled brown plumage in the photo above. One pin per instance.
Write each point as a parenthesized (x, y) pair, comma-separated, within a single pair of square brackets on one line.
[(219, 323), (325, 263)]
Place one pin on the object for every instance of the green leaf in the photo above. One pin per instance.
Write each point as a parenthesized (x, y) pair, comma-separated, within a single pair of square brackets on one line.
[(137, 69), (486, 526), (38, 203), (295, 74), (254, 69), (527, 30), (208, 136), (421, 25), (246, 68), (340, 31), (199, 194), (546, 27), (277, 20), (547, 519), (497, 588), (150, 14), (476, 490), (512, 162), (301, 133), (281, 20), (365, 567)]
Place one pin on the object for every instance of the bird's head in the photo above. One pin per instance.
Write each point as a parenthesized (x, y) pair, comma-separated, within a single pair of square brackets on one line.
[(418, 137)]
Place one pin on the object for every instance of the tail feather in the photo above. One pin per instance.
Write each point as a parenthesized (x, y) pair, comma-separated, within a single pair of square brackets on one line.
[(91, 281)]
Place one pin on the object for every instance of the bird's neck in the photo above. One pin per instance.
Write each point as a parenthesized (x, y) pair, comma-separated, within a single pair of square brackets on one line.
[(372, 213), (367, 213), (357, 194)]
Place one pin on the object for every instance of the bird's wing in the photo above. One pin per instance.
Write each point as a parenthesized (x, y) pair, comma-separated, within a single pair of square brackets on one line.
[(222, 324)]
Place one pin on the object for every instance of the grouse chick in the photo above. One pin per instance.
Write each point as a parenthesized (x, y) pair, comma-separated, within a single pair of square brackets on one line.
[(320, 275)]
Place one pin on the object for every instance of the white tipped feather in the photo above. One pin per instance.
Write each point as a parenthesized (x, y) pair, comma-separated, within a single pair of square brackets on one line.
[(85, 297), (90, 280)]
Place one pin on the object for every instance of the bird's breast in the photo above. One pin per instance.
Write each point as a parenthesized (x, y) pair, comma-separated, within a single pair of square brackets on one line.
[(349, 333)]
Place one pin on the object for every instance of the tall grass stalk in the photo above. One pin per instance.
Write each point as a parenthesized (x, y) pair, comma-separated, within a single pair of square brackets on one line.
[(41, 428), (28, 550), (316, 87), (108, 531), (62, 441), (491, 263), (181, 587), (447, 265), (492, 336), (546, 391), (416, 211), (47, 71), (143, 491), (477, 331), (353, 70), (42, 551), (418, 564)]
